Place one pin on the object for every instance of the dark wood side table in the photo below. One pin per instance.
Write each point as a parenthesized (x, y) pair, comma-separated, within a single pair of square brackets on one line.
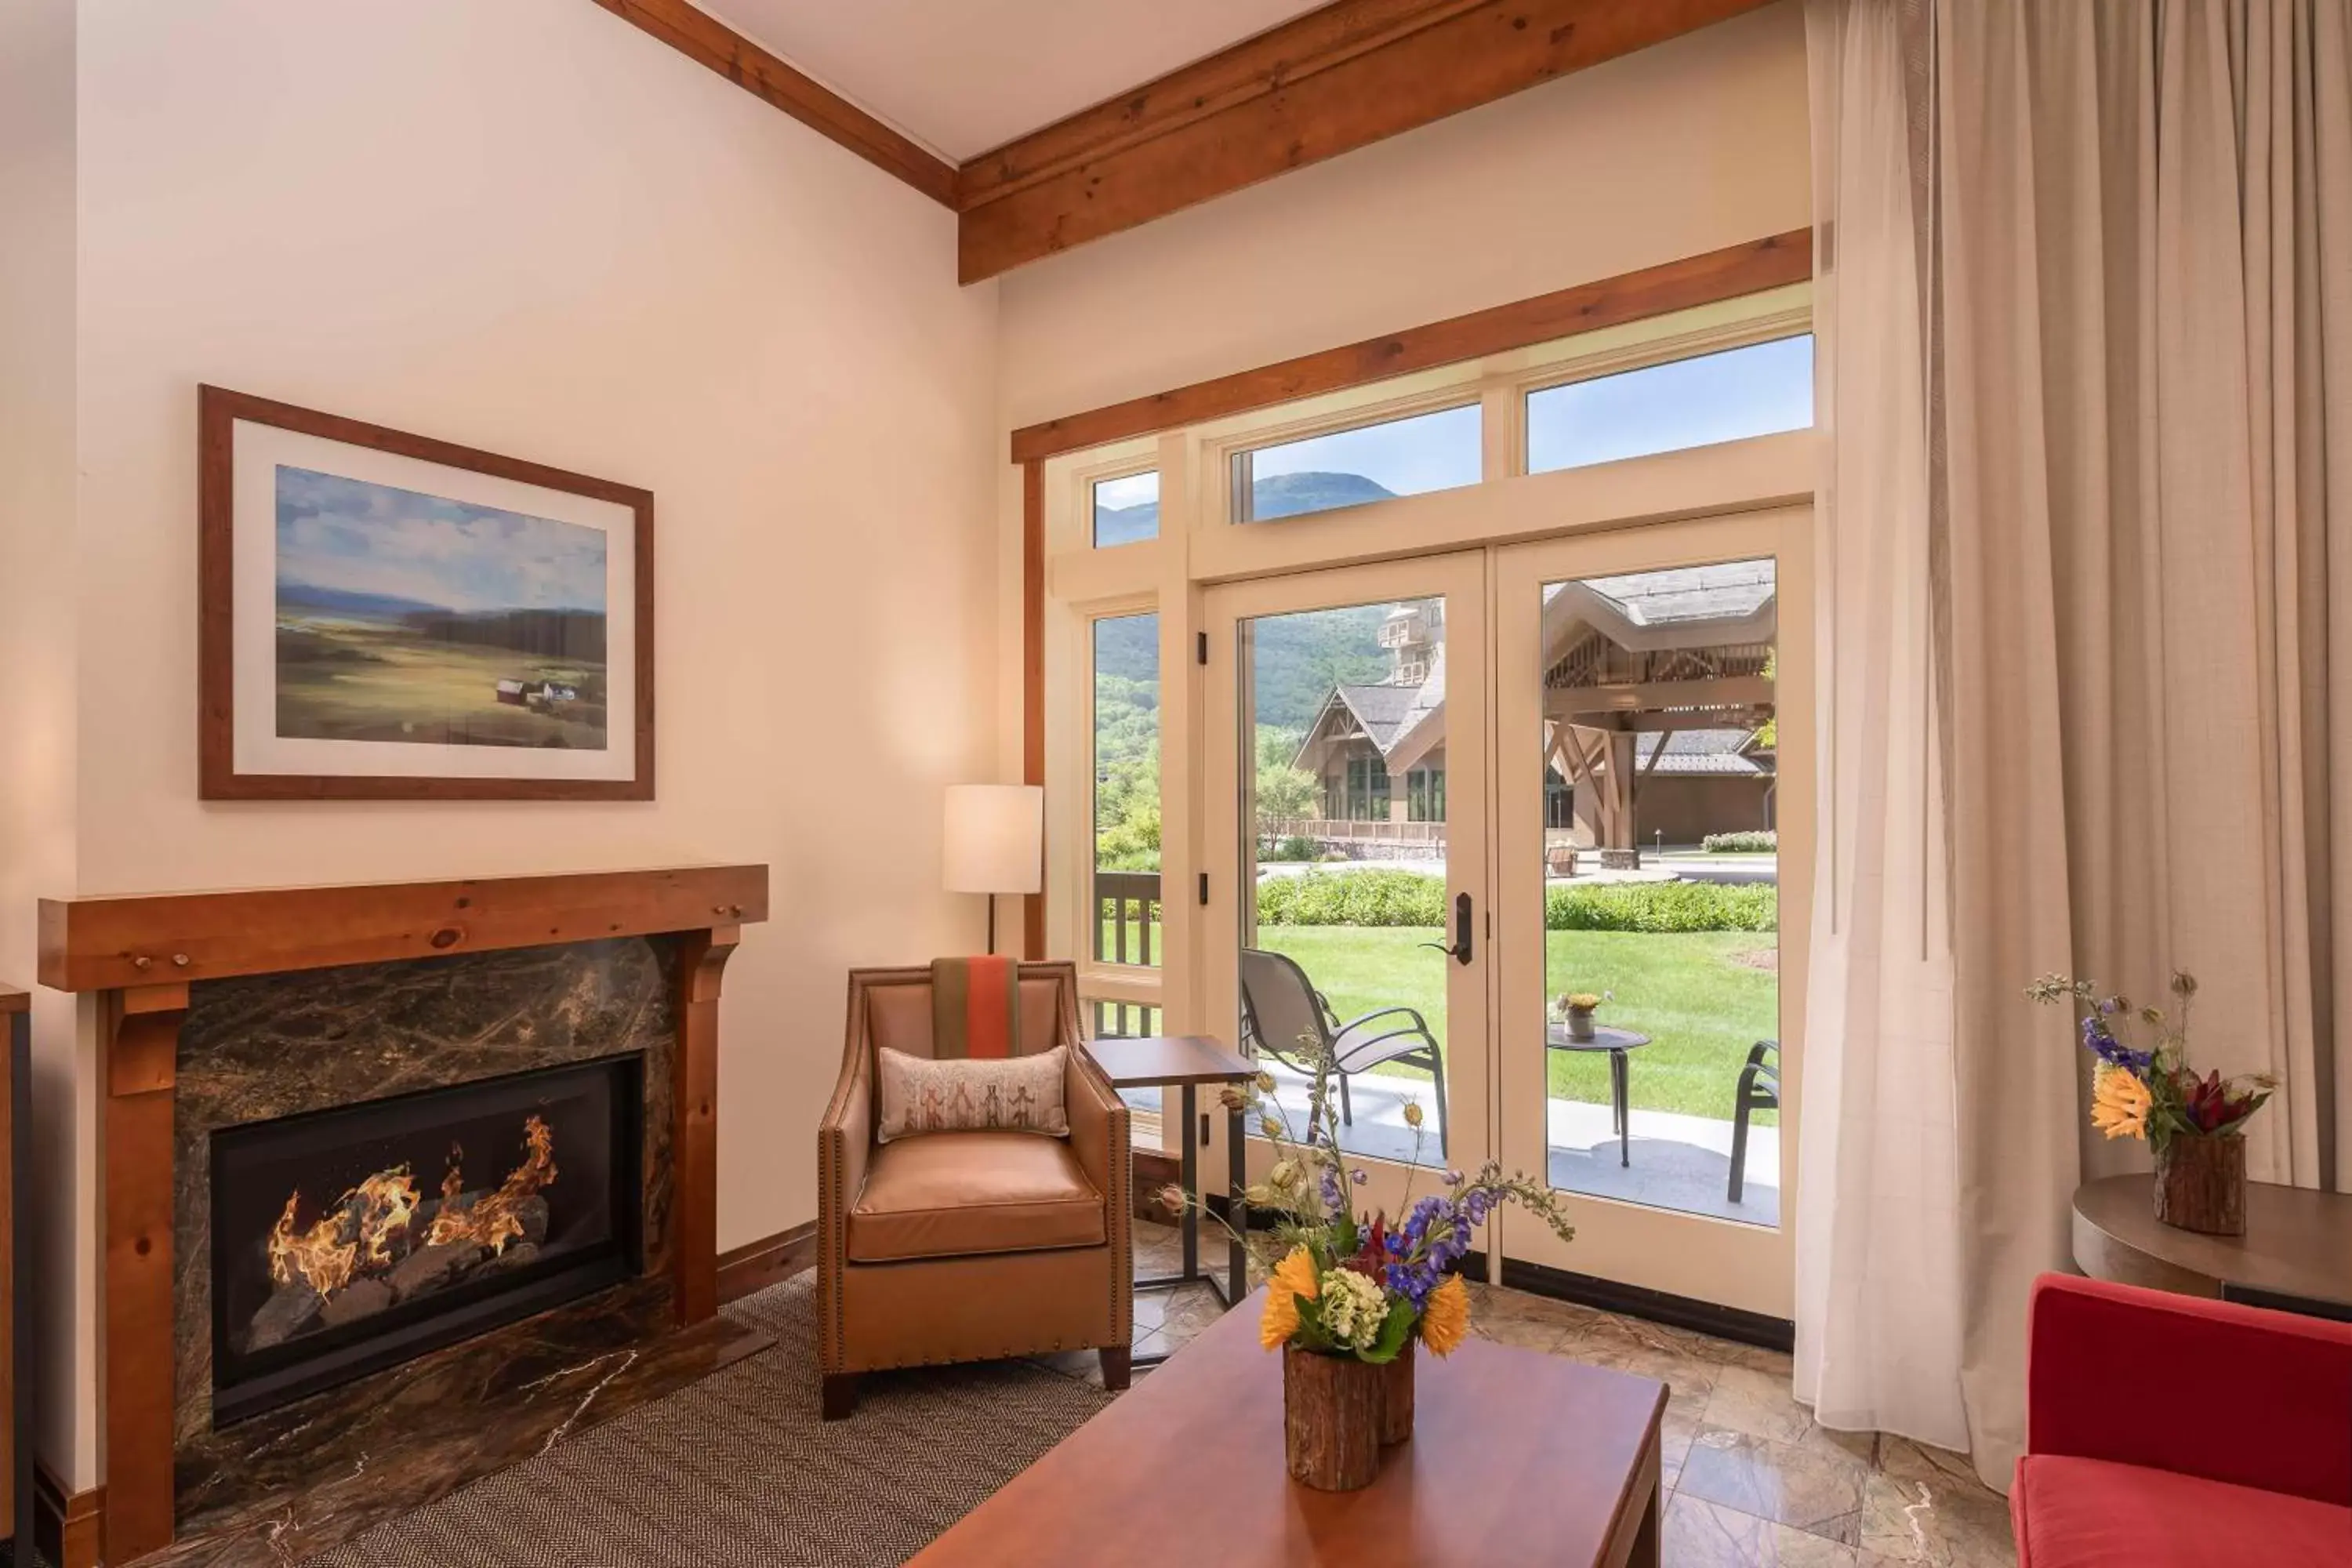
[(1186, 1062), (2297, 1247)]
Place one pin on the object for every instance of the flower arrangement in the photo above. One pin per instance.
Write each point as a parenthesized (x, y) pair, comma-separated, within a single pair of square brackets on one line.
[(1348, 1289), (2153, 1094), (1350, 1284), (2194, 1125)]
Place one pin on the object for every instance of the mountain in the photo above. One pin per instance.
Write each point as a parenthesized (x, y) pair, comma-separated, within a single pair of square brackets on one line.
[(1278, 495), (1297, 659), (1290, 495), (345, 601), (1126, 524)]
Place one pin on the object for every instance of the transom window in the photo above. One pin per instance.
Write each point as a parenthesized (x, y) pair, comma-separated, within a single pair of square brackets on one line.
[(1407, 456)]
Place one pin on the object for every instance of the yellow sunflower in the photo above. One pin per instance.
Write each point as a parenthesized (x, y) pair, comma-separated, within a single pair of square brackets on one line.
[(1296, 1274), (2119, 1103), (1279, 1321), (1445, 1316)]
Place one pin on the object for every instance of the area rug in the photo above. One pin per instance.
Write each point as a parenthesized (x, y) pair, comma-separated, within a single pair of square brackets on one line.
[(739, 1469)]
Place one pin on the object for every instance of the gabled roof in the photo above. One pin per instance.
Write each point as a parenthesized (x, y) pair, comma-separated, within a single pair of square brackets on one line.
[(1723, 753), (1685, 594), (1380, 710)]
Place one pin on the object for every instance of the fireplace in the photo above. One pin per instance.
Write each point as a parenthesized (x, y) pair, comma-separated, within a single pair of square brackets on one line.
[(348, 1239)]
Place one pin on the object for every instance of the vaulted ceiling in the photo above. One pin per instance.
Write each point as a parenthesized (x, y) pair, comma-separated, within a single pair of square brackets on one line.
[(964, 75), (1047, 123)]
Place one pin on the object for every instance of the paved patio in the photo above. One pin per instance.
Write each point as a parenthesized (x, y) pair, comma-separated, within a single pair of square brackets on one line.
[(1676, 1162)]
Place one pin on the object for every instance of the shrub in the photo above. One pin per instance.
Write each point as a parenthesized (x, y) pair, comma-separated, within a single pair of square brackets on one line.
[(1352, 898), (1294, 848), (1664, 907), (1414, 899), (1750, 842)]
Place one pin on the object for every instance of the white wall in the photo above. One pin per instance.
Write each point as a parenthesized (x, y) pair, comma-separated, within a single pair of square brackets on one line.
[(530, 228), (36, 644), (1682, 148)]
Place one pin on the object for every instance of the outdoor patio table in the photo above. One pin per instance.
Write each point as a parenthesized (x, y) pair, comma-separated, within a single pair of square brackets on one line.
[(1616, 1042)]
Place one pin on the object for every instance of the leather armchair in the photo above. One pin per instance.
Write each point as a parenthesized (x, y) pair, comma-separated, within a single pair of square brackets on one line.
[(953, 1246)]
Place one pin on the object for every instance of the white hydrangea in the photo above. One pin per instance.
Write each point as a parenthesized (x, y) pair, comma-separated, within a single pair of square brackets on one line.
[(1352, 1308)]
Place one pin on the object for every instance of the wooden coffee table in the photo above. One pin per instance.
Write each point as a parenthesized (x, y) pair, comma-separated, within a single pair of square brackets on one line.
[(1516, 1458)]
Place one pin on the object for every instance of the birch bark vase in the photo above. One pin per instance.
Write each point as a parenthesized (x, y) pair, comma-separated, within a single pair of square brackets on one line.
[(2201, 1183), (1330, 1419), (1396, 1397)]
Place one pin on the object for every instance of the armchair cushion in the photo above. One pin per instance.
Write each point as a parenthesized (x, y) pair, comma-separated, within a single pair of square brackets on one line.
[(950, 1195), (2073, 1511), (1009, 1094)]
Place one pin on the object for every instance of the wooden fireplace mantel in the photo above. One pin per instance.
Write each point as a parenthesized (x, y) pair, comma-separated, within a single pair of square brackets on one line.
[(118, 943), (141, 954)]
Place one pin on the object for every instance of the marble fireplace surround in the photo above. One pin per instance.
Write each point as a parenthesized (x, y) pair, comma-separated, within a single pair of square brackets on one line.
[(225, 1007)]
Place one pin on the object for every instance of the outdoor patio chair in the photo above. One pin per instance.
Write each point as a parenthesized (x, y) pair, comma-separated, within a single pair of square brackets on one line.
[(1280, 1007), (1759, 1089)]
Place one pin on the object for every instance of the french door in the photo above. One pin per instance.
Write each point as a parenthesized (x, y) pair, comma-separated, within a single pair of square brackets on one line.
[(1443, 795), (1345, 738), (1652, 813)]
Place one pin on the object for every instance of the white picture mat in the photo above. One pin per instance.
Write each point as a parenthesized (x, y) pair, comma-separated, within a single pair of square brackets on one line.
[(257, 453)]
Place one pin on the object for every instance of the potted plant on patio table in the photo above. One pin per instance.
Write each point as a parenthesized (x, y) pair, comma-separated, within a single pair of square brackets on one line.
[(1348, 1295), (1575, 1011), (2194, 1126)]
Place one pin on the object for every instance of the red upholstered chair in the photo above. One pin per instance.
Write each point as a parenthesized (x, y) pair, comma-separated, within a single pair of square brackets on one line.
[(2167, 1431)]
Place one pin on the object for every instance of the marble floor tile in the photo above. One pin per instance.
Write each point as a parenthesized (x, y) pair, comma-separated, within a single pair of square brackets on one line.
[(1778, 1481), (1700, 1534), (1758, 1401), (1926, 1506), (1675, 1435), (1645, 1350)]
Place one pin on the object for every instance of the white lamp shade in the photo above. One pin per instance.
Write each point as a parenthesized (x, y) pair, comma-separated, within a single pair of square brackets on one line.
[(995, 839)]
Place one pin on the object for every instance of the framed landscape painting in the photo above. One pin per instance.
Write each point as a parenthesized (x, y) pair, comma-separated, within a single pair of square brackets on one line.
[(385, 616)]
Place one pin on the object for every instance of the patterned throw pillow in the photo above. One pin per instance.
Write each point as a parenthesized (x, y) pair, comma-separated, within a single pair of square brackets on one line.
[(1012, 1094)]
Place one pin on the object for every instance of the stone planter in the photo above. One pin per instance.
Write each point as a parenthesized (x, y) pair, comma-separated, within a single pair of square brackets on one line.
[(1578, 1022), (1332, 1419), (1396, 1396), (2201, 1183)]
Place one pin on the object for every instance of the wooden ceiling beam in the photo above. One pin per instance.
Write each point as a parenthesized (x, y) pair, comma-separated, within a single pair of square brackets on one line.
[(1751, 267), (1338, 77), (708, 41)]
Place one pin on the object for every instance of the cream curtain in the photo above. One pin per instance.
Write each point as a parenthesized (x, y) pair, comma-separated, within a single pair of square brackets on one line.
[(2138, 275), (1877, 1286)]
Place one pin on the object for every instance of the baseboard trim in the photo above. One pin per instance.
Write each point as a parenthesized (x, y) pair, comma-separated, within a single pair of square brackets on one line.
[(68, 1525), (1657, 1306), (757, 1265)]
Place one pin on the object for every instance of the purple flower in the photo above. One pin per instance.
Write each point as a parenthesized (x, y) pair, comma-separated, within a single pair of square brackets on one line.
[(2101, 1042), (1359, 1177)]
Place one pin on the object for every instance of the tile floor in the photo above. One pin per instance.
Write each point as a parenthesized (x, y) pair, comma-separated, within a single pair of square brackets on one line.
[(1751, 1482)]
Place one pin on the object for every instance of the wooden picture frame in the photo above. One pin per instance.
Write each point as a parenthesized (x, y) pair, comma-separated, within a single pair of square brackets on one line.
[(382, 695)]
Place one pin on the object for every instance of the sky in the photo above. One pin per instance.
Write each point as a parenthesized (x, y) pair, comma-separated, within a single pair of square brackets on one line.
[(1755, 390), (363, 538)]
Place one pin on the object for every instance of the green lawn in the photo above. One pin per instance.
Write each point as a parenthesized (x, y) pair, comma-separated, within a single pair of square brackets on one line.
[(1701, 1006)]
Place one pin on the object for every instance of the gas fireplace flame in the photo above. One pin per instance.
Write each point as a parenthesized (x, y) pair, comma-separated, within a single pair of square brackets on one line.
[(362, 1225), (492, 1222), (368, 1229)]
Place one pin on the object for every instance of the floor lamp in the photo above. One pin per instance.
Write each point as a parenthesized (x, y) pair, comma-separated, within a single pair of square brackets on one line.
[(995, 842)]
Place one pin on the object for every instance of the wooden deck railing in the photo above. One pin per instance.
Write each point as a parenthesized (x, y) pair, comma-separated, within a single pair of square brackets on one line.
[(1127, 917), (1339, 830)]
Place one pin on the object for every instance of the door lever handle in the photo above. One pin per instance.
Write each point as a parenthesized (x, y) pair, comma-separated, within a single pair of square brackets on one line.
[(1462, 950)]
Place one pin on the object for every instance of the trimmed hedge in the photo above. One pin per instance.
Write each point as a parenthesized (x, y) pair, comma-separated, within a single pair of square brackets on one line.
[(1748, 841), (1664, 907), (1412, 899)]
